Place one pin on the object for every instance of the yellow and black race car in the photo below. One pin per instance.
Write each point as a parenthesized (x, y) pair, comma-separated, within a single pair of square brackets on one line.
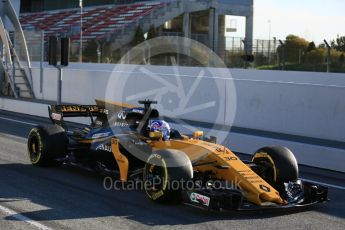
[(130, 142)]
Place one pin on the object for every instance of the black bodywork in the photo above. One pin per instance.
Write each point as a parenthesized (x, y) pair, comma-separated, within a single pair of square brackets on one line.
[(90, 146)]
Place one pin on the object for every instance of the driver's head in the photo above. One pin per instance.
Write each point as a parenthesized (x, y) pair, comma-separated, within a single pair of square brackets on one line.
[(160, 126)]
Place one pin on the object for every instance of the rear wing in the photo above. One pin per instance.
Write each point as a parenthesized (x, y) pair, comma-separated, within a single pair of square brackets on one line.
[(57, 113)]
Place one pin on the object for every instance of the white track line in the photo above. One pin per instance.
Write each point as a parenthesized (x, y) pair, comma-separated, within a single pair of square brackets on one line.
[(20, 217), (22, 122), (325, 184)]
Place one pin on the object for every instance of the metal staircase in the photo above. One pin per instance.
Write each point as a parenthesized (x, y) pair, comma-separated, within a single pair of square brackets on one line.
[(21, 78), (16, 76), (7, 85)]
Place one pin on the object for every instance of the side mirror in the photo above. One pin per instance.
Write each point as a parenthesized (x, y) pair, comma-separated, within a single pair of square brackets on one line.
[(156, 135), (198, 134)]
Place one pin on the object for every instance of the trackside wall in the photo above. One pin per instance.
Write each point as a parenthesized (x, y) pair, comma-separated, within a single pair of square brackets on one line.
[(299, 104)]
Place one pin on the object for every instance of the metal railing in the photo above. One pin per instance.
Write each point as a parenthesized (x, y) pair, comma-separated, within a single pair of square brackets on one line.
[(268, 54)]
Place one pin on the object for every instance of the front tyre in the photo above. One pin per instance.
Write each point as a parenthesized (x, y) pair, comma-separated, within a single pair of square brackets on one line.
[(165, 173), (46, 144), (277, 164)]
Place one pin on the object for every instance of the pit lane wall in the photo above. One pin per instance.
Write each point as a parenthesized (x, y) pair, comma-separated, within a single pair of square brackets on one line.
[(303, 111)]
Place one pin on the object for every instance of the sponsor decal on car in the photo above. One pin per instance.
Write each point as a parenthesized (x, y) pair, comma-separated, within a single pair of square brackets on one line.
[(264, 188), (119, 124), (100, 135), (77, 108), (122, 115), (138, 111), (99, 123), (198, 198), (103, 147), (56, 116)]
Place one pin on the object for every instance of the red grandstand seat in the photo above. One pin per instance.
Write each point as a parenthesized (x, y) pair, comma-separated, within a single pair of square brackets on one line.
[(98, 22)]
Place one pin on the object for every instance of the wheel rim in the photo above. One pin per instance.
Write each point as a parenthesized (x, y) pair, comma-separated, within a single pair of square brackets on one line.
[(268, 172), (155, 180), (154, 177), (34, 149)]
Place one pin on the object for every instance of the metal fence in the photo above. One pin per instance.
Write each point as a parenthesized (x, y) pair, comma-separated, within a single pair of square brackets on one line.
[(234, 51), (268, 54), (35, 43)]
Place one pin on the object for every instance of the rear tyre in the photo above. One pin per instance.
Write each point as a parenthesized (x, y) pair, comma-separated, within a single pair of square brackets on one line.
[(165, 173), (277, 165), (46, 144)]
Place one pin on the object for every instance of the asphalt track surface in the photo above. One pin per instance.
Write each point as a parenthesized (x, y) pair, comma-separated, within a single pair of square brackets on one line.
[(71, 198)]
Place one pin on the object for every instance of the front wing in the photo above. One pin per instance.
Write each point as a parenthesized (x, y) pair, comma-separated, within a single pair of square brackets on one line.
[(229, 200)]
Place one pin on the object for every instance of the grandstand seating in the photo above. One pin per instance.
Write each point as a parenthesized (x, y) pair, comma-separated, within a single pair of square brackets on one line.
[(97, 21)]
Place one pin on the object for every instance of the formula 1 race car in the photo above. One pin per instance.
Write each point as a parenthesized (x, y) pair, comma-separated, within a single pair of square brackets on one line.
[(130, 142)]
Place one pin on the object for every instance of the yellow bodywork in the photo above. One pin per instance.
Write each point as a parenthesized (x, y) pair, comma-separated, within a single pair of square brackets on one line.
[(232, 168), (225, 164), (121, 159)]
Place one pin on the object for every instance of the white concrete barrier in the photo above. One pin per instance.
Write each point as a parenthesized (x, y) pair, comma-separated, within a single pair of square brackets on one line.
[(25, 107), (297, 103), (33, 109), (306, 154)]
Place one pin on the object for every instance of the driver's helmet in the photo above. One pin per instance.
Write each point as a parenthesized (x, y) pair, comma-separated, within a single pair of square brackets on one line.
[(160, 126)]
